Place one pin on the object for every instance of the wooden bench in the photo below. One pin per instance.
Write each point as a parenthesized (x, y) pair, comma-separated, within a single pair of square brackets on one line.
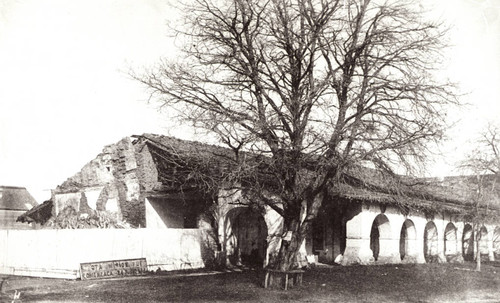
[(293, 276)]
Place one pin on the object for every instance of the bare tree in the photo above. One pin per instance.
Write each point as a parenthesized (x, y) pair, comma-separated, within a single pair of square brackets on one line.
[(484, 163), (313, 86)]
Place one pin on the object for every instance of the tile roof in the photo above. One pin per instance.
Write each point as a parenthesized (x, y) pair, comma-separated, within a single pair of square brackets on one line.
[(16, 198), (358, 183)]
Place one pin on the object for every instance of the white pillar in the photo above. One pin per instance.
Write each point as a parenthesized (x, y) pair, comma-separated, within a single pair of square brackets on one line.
[(491, 250), (358, 229), (389, 247), (460, 233), (441, 226), (389, 251), (420, 222)]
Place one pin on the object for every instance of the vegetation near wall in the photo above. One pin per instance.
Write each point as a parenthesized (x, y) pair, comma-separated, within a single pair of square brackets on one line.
[(69, 218)]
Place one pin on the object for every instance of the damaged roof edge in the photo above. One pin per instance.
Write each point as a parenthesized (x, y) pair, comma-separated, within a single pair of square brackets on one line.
[(432, 195)]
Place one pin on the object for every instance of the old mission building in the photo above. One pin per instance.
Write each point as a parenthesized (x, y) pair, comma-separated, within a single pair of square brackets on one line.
[(145, 182)]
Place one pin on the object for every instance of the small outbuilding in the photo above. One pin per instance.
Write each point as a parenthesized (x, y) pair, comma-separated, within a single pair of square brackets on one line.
[(14, 201)]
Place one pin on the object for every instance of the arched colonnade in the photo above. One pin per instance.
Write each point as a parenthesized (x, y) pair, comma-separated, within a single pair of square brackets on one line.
[(379, 235), (371, 234)]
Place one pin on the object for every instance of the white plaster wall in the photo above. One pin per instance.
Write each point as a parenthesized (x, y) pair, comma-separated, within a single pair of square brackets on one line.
[(8, 220), (92, 196), (132, 188), (391, 252), (460, 232), (58, 253), (358, 230), (440, 223), (490, 236), (112, 205), (496, 240), (61, 201), (153, 219), (420, 221)]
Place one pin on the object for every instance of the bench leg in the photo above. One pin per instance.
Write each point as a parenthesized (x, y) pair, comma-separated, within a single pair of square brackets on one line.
[(266, 280), (286, 281)]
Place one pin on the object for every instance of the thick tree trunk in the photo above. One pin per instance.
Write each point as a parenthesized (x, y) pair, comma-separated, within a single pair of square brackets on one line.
[(297, 219), (295, 229), (290, 246)]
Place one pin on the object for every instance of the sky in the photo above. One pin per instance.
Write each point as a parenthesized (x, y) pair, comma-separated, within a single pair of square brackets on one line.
[(65, 92)]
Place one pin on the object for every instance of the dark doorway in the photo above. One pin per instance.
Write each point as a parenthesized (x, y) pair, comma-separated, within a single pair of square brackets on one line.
[(250, 232)]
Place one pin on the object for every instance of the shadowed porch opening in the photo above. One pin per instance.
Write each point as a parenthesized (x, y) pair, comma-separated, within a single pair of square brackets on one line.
[(450, 241), (407, 238), (247, 239), (380, 232), (431, 243), (468, 243)]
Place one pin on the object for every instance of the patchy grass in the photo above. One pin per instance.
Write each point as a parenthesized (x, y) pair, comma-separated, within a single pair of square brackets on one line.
[(390, 283)]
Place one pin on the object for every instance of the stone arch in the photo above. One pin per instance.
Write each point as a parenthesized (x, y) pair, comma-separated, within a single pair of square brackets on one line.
[(407, 239), (468, 243), (450, 241), (496, 243), (381, 229), (246, 240), (482, 237), (431, 243)]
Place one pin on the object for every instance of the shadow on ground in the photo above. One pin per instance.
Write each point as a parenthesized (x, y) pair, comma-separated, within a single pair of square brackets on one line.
[(391, 283)]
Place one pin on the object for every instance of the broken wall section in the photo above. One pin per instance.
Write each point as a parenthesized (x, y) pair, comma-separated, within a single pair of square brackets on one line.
[(108, 184)]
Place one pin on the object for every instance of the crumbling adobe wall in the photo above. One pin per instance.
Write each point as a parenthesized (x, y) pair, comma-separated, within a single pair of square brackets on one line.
[(127, 184), (147, 172), (107, 183)]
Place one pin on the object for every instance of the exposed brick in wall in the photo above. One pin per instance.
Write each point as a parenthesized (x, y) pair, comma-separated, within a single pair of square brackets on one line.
[(127, 184), (147, 172), (121, 178), (115, 171)]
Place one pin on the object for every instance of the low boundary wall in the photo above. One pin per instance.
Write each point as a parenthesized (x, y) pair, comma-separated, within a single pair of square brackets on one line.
[(58, 253)]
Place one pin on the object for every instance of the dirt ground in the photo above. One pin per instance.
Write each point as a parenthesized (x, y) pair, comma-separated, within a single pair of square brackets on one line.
[(391, 283)]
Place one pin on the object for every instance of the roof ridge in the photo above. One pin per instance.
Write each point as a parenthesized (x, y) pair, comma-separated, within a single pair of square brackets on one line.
[(12, 187)]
